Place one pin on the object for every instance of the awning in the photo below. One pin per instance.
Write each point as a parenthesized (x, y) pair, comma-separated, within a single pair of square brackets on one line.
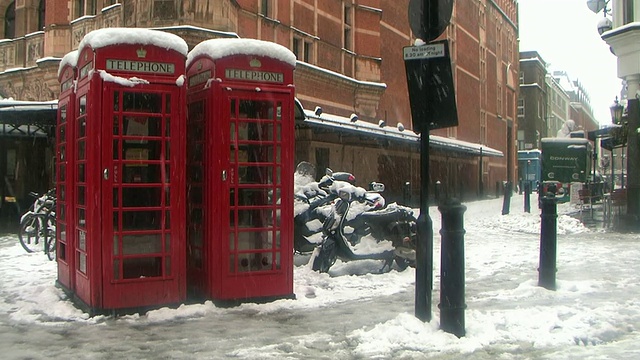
[(607, 141), (397, 133), (27, 118)]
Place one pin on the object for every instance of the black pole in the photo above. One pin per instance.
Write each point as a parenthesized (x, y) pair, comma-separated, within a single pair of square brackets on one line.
[(480, 171), (548, 241), (633, 163), (452, 280), (506, 202), (424, 251), (527, 197)]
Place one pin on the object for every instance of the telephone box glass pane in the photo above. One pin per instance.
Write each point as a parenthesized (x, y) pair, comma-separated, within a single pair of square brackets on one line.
[(116, 202), (141, 244), (82, 263), (116, 125), (62, 175), (62, 133), (255, 174), (82, 105), (81, 218), (82, 240), (144, 267), (116, 269), (141, 102), (167, 103), (254, 196), (255, 217), (81, 153), (82, 127), (81, 173), (81, 195), (141, 220), (63, 114), (141, 197), (116, 149), (167, 127), (143, 173), (251, 240)]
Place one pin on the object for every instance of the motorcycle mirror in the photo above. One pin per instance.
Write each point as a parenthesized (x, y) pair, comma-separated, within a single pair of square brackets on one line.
[(376, 186), (328, 172)]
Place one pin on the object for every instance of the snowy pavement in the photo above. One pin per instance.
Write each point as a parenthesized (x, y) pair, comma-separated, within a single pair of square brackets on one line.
[(353, 313)]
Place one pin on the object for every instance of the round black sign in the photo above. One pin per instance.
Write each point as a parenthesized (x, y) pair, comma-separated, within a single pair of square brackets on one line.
[(429, 18)]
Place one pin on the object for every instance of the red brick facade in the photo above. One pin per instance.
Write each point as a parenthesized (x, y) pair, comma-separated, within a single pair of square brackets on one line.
[(353, 49)]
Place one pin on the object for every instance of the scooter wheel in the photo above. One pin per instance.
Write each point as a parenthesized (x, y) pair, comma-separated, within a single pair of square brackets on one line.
[(402, 263), (326, 257)]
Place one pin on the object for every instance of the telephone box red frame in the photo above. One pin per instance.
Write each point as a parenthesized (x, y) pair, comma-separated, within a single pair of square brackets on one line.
[(129, 179), (64, 171), (240, 171)]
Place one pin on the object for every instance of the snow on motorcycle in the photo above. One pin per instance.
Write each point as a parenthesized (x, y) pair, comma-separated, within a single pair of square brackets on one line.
[(360, 227), (312, 204)]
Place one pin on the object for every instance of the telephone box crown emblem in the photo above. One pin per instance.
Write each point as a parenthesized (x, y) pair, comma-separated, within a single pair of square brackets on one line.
[(255, 63), (141, 53)]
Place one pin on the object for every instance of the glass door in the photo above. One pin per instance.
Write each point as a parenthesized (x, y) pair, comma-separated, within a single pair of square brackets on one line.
[(255, 183), (140, 241)]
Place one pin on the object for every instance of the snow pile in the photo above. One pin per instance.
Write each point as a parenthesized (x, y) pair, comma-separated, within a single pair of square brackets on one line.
[(594, 310)]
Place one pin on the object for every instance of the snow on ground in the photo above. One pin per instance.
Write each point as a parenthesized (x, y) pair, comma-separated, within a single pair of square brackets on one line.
[(594, 310)]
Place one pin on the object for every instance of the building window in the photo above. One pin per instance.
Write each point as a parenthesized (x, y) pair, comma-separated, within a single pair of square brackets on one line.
[(347, 27), (303, 50), (521, 108), (499, 103), (85, 7), (41, 11), (627, 11), (10, 21), (296, 47), (164, 10), (265, 8), (483, 127)]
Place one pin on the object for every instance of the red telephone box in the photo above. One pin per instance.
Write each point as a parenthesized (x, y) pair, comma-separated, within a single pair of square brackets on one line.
[(129, 179), (240, 155), (64, 172)]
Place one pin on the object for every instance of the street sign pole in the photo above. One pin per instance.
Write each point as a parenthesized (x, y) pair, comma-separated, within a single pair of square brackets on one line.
[(433, 106), (424, 251)]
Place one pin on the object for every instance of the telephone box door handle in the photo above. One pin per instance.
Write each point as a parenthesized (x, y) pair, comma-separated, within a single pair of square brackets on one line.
[(105, 174), (224, 175)]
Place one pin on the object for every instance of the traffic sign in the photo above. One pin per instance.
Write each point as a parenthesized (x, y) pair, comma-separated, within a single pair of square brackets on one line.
[(429, 18)]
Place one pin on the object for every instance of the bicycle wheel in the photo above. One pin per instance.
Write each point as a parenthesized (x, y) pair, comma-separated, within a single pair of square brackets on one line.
[(50, 239), (31, 234)]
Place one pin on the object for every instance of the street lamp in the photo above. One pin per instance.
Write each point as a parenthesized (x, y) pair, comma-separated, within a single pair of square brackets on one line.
[(616, 112)]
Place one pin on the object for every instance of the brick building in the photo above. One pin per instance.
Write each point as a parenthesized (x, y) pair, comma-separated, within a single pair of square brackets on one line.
[(349, 62)]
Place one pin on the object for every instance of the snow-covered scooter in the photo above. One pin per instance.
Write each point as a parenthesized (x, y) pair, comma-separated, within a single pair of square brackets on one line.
[(312, 204), (354, 231)]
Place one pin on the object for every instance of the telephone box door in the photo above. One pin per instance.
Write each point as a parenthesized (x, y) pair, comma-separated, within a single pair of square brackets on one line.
[(259, 250), (142, 235)]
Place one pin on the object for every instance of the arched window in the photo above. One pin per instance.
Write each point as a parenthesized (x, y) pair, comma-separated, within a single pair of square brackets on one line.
[(10, 21), (41, 9)]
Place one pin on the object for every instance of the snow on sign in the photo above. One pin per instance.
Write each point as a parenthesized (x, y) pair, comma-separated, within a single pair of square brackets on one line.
[(424, 51)]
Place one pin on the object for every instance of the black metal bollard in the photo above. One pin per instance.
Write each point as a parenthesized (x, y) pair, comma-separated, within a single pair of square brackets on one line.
[(506, 203), (452, 280), (437, 191), (527, 197), (548, 242), (424, 268)]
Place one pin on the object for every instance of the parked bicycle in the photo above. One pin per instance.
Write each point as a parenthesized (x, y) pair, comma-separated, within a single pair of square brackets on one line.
[(38, 225)]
